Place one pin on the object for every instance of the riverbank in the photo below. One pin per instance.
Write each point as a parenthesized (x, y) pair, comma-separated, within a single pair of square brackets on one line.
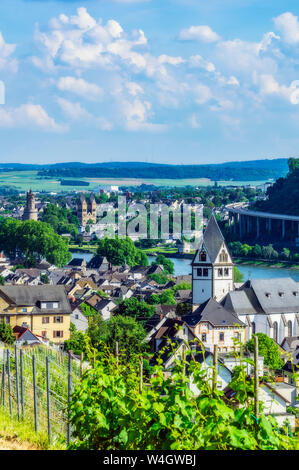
[(262, 263)]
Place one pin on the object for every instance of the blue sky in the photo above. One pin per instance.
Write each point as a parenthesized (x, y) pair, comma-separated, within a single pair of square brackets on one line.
[(170, 81)]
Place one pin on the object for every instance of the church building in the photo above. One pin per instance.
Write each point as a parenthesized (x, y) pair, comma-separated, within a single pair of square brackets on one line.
[(222, 310), (87, 210), (212, 280)]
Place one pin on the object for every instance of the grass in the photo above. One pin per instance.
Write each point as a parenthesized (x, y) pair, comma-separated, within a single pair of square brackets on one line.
[(25, 180), (21, 435)]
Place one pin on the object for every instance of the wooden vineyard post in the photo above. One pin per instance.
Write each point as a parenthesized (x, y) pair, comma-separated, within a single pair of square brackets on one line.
[(81, 365), (48, 399), (3, 380), (215, 367), (256, 377), (34, 393), (17, 381), (22, 381), (141, 374), (116, 354), (69, 388), (9, 383)]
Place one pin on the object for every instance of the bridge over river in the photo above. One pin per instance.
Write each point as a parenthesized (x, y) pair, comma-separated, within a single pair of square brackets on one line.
[(250, 224)]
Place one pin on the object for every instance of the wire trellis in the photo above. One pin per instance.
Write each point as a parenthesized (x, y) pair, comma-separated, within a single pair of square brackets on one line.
[(36, 385)]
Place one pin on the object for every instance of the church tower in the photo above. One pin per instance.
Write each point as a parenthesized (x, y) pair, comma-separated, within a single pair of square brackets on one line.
[(87, 211), (30, 211), (212, 267)]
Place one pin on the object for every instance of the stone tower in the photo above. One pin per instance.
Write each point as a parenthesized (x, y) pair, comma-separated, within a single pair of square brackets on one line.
[(30, 211), (212, 267), (87, 210)]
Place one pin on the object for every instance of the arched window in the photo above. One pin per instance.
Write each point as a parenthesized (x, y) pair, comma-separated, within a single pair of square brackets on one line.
[(290, 328), (275, 331), (223, 257), (203, 256)]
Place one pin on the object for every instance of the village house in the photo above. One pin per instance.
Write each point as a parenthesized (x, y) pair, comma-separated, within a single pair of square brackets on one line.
[(45, 310)]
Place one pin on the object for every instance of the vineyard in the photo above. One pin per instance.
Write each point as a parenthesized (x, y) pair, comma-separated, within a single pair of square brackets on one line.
[(36, 384)]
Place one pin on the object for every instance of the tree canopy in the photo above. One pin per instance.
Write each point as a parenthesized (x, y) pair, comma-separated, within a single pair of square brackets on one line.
[(268, 349), (35, 240), (120, 251)]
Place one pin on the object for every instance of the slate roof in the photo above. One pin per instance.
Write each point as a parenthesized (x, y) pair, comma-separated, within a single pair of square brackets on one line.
[(278, 295), (97, 261), (214, 313), (33, 295), (212, 239)]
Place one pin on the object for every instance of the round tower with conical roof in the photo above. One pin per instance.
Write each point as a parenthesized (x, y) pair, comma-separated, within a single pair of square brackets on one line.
[(30, 212)]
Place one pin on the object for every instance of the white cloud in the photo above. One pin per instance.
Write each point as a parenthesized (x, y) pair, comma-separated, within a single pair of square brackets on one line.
[(6, 50), (81, 87), (29, 116), (269, 86), (202, 93), (73, 110), (194, 122), (76, 112), (198, 61), (288, 25), (199, 33)]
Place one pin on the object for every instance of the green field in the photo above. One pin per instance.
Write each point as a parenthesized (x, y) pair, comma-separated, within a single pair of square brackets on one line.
[(25, 180)]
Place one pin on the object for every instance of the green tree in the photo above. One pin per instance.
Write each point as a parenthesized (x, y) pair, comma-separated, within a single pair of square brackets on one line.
[(120, 251), (268, 349), (77, 341), (135, 308), (238, 276), (6, 334), (165, 262), (129, 334), (45, 279)]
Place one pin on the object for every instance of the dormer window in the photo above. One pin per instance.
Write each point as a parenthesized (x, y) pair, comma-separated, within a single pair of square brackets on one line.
[(203, 256), (267, 294), (281, 294), (49, 305), (295, 294)]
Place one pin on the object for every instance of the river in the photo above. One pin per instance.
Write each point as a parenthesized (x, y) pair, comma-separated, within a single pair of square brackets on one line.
[(182, 266)]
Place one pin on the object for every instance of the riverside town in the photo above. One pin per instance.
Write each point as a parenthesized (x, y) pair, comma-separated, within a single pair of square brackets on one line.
[(149, 230)]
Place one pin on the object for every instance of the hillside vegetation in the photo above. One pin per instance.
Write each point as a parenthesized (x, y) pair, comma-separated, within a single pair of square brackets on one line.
[(239, 171), (283, 196)]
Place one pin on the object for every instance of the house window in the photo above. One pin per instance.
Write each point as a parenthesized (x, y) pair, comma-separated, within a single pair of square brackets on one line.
[(253, 327), (226, 272), (205, 272), (199, 272), (58, 319), (24, 309), (221, 336), (290, 329), (57, 334), (203, 256), (220, 272), (46, 320), (204, 337), (7, 320), (44, 333), (237, 335)]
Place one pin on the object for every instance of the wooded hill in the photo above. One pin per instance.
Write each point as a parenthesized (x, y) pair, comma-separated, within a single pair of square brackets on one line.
[(283, 196), (236, 171)]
